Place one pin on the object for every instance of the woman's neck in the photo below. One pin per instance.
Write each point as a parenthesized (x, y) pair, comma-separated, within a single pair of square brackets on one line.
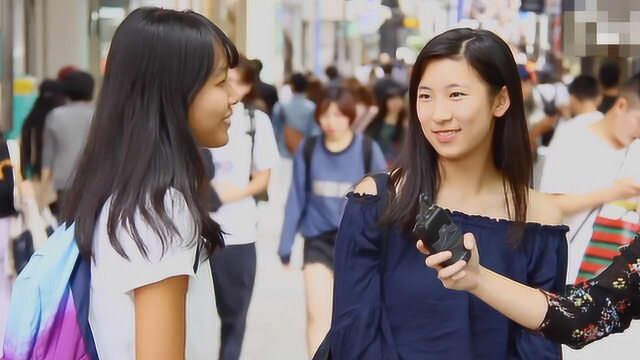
[(391, 118), (338, 143), (465, 181)]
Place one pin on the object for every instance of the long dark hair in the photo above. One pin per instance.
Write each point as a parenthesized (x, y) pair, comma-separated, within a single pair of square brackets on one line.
[(418, 170), (375, 127), (140, 145), (50, 96)]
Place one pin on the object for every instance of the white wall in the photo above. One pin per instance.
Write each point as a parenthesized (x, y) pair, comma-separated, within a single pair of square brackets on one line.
[(66, 35), (264, 38)]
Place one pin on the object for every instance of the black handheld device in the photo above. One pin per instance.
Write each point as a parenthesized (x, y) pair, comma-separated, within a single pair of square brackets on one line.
[(438, 233)]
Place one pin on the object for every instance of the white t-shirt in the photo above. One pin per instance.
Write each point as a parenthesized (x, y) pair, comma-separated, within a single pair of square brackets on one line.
[(233, 166), (113, 279), (580, 120), (581, 162)]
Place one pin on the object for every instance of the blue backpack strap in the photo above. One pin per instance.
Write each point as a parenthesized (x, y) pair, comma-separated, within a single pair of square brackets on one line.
[(80, 282), (307, 154), (252, 129), (367, 151)]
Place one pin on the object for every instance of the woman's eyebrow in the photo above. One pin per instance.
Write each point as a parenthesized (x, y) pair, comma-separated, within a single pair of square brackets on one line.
[(454, 85)]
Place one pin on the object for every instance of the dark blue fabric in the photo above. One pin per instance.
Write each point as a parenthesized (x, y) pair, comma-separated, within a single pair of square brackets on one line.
[(419, 318), (80, 282)]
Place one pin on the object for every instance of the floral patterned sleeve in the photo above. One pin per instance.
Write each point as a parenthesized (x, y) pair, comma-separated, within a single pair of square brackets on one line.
[(594, 309)]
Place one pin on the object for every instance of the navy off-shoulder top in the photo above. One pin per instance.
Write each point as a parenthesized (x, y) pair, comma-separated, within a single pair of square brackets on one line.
[(409, 314)]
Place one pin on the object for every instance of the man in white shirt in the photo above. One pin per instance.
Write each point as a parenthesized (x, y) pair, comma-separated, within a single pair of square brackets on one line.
[(242, 171), (584, 97), (584, 164), (589, 166)]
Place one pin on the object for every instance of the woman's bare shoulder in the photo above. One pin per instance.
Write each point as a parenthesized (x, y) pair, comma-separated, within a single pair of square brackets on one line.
[(366, 187), (543, 210)]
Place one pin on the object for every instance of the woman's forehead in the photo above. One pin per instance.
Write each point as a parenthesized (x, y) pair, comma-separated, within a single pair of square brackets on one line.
[(448, 73), (221, 62)]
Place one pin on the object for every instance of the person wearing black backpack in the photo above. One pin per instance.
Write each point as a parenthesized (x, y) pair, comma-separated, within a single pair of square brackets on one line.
[(325, 168), (552, 98), (242, 174)]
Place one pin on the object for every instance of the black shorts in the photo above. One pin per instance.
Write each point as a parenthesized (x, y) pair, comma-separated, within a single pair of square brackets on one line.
[(320, 249)]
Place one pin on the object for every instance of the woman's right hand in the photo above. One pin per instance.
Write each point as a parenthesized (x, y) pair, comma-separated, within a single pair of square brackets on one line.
[(459, 276)]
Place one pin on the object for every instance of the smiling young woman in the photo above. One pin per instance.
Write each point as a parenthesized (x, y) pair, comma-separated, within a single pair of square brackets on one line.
[(137, 199), (467, 149)]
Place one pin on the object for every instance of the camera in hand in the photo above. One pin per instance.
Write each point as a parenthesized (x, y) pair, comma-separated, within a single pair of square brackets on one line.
[(438, 233)]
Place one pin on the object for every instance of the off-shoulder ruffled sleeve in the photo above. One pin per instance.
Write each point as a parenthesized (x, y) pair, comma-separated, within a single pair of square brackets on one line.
[(360, 327)]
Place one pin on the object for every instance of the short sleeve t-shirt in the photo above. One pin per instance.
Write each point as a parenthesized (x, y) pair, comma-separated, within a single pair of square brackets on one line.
[(233, 165), (580, 162), (580, 120), (114, 278)]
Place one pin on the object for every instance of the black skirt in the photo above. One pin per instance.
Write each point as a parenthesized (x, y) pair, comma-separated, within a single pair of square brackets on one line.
[(320, 249)]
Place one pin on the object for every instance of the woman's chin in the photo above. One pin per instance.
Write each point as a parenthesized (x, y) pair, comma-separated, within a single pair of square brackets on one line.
[(216, 142)]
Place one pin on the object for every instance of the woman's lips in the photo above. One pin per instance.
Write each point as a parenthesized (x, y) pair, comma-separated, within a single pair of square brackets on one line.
[(446, 136)]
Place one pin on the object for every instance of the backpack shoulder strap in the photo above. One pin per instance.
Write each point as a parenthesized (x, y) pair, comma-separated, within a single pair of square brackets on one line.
[(252, 129), (307, 153), (80, 284), (367, 151)]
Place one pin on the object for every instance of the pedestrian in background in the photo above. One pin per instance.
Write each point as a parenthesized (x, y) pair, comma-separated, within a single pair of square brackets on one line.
[(65, 134), (325, 168), (242, 172)]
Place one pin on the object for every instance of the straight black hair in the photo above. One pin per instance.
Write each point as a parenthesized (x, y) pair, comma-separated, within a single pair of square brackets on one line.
[(375, 127), (140, 145), (299, 83), (609, 74), (584, 87), (418, 170), (50, 96), (79, 86)]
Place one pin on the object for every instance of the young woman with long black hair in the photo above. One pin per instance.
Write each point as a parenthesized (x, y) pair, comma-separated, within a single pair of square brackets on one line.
[(587, 311), (50, 96), (389, 124), (137, 198), (467, 149)]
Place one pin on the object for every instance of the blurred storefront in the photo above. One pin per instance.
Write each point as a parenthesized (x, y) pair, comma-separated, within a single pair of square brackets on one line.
[(38, 37)]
